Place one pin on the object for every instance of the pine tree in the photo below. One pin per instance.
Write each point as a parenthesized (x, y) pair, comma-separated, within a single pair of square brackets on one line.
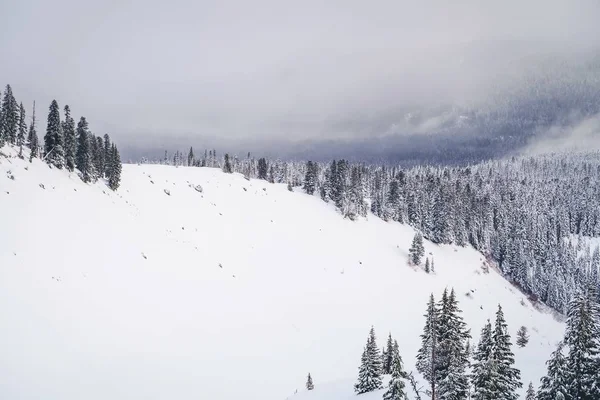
[(84, 156), (369, 375), (522, 337), (484, 375), (32, 137), (416, 250), (53, 141), (262, 168), (427, 266), (452, 358), (10, 117), (114, 178), (190, 159), (582, 335), (388, 356), (530, 394), (68, 128), (22, 129), (107, 155), (309, 383), (396, 386), (227, 165), (310, 178), (509, 378), (289, 186), (427, 362), (98, 156), (554, 384)]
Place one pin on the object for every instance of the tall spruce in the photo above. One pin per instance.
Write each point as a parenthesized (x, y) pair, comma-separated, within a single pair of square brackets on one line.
[(554, 385), (396, 385), (388, 356), (262, 168), (453, 359), (22, 129), (84, 156), (68, 128), (32, 137), (530, 393), (10, 117), (107, 155), (190, 159), (99, 156), (310, 178), (114, 177), (508, 377), (582, 335), (227, 165), (369, 373), (416, 251), (483, 374), (54, 151), (427, 362)]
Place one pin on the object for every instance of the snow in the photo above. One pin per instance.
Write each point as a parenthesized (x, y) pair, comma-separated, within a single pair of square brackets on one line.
[(237, 291)]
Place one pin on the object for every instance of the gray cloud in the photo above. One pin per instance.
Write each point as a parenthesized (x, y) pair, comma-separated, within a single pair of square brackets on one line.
[(229, 70)]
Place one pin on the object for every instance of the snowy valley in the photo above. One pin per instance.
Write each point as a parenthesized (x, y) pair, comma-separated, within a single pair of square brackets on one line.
[(191, 283)]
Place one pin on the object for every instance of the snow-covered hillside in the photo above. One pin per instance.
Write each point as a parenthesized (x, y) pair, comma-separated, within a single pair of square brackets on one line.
[(160, 291)]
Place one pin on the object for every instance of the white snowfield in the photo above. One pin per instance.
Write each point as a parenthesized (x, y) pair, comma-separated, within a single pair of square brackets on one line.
[(159, 291)]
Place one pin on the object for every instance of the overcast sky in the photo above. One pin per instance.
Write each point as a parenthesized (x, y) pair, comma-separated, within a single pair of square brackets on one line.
[(260, 69)]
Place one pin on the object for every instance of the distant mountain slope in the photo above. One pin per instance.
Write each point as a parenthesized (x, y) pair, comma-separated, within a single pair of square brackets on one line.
[(231, 289)]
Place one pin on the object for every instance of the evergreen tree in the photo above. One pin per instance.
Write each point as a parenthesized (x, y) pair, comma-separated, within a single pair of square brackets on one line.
[(107, 156), (262, 168), (530, 394), (190, 159), (508, 377), (582, 335), (53, 141), (22, 129), (32, 137), (84, 156), (98, 156), (554, 384), (388, 356), (114, 178), (310, 178), (396, 386), (427, 266), (10, 117), (227, 165), (452, 358), (289, 186), (427, 362), (522, 337), (68, 128), (484, 374), (416, 250), (369, 375), (309, 383)]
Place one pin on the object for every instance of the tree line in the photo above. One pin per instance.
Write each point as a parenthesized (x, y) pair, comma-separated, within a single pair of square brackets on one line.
[(65, 145)]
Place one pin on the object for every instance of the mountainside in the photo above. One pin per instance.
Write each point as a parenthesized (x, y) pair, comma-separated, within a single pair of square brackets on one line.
[(192, 283)]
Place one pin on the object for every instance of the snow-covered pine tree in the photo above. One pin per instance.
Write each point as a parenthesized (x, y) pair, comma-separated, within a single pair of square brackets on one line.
[(68, 128), (84, 156), (453, 359), (483, 374), (32, 137), (99, 161), (554, 384), (530, 394), (107, 155), (289, 186), (22, 128), (508, 377), (226, 165), (54, 152), (396, 386), (262, 168), (388, 356), (369, 373), (114, 178), (309, 383), (427, 266), (416, 250), (522, 336), (427, 362), (10, 116), (582, 335), (310, 178), (190, 158)]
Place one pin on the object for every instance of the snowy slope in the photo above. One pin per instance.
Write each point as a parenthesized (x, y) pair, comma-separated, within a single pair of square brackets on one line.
[(235, 292)]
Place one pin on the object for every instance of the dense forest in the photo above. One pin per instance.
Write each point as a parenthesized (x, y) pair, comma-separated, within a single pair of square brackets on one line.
[(530, 215), (65, 145)]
